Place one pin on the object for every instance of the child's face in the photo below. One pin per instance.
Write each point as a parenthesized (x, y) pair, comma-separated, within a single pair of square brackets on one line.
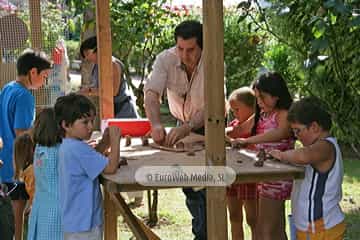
[(307, 135), (81, 128), (241, 111), (38, 79), (265, 101)]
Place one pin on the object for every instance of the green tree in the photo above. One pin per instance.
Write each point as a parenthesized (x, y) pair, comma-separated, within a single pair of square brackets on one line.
[(319, 37)]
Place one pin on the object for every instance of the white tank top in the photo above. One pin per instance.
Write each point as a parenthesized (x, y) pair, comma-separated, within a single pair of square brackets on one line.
[(318, 195)]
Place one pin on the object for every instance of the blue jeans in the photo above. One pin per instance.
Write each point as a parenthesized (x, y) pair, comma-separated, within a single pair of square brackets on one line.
[(196, 203)]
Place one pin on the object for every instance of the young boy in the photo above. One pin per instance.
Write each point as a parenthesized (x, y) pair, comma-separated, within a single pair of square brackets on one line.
[(80, 166), (316, 210), (17, 112)]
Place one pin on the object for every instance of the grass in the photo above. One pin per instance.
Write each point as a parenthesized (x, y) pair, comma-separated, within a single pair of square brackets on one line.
[(175, 220)]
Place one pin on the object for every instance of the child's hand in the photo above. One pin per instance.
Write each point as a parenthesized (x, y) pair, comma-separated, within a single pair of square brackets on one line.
[(92, 143), (114, 133), (277, 154), (239, 143), (106, 137)]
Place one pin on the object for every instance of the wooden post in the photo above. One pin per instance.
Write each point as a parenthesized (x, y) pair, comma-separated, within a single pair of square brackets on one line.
[(35, 24), (104, 53), (213, 30)]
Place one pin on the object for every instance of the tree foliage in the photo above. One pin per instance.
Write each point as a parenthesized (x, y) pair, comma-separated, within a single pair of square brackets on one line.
[(314, 48)]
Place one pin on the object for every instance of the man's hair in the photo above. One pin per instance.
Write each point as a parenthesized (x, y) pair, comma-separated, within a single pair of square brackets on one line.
[(72, 107), (308, 110), (88, 44), (46, 130), (30, 59), (190, 29)]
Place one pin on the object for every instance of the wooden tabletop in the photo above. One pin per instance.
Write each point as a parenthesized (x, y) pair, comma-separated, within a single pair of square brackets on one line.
[(241, 161)]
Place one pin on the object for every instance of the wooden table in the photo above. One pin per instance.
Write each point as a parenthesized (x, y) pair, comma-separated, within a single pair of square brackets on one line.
[(137, 156)]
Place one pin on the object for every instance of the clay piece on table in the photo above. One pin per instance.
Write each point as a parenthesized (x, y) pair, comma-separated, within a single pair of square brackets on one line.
[(261, 158), (127, 140), (123, 161)]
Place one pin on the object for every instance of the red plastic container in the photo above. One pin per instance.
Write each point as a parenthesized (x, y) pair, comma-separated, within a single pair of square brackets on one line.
[(132, 127)]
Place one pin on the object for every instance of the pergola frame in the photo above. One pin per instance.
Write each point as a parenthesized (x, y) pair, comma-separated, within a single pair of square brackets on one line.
[(213, 50)]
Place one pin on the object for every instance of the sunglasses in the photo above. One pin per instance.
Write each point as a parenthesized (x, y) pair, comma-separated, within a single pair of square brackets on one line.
[(297, 131)]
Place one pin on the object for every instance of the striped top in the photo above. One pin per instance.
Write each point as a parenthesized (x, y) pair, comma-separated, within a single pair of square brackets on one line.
[(315, 199)]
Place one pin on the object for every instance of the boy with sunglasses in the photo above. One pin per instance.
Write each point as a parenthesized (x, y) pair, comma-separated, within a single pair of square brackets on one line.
[(315, 199)]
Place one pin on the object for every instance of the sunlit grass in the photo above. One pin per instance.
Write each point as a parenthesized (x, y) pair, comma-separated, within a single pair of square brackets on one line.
[(175, 220)]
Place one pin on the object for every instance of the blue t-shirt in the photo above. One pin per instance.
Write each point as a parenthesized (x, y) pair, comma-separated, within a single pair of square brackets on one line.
[(80, 195), (17, 111)]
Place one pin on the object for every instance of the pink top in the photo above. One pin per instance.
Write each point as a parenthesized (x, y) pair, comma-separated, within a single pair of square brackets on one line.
[(267, 123)]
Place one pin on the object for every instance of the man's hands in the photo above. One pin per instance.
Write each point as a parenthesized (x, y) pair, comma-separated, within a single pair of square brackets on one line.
[(176, 134), (159, 135)]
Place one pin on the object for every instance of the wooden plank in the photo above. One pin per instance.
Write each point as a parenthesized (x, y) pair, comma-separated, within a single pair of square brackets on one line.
[(110, 218), (104, 53), (214, 113), (35, 24), (241, 161), (138, 228)]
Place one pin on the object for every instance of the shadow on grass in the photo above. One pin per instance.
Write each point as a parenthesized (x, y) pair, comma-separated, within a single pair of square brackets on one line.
[(352, 225), (352, 169)]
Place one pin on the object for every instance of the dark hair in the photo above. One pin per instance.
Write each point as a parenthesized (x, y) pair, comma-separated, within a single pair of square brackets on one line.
[(189, 29), (71, 107), (46, 130), (90, 43), (272, 83), (245, 95), (23, 153), (308, 110), (32, 59)]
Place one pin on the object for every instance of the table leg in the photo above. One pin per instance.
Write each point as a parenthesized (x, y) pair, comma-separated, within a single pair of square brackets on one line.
[(153, 218), (110, 228)]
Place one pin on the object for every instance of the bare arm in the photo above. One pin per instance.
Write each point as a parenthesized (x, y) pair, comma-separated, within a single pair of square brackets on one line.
[(19, 132), (320, 155), (282, 132), (114, 155), (116, 69), (152, 109)]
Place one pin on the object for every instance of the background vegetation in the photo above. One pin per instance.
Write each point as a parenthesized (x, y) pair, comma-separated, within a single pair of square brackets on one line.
[(310, 42), (314, 44)]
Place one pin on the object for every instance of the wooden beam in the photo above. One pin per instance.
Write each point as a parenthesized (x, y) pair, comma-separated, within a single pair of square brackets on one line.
[(213, 31), (35, 24), (110, 218), (104, 53)]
